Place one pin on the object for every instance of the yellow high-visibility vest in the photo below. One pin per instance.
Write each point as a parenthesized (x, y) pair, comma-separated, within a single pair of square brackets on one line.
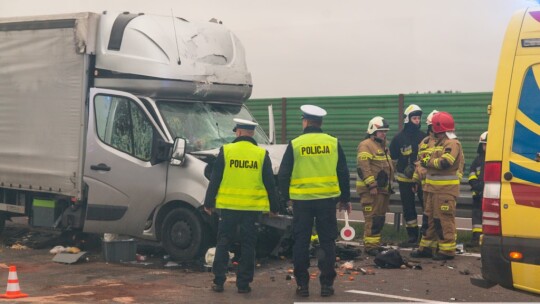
[(314, 171), (242, 186)]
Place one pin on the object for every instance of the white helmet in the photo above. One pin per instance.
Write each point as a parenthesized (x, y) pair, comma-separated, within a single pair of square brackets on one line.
[(430, 116), (483, 138), (377, 123), (412, 110)]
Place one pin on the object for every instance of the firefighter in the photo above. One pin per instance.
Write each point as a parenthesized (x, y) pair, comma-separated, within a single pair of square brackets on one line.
[(424, 148), (242, 186), (442, 182), (404, 153), (374, 170), (476, 181), (313, 176)]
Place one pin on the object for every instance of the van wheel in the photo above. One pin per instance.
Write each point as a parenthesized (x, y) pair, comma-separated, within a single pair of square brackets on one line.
[(183, 234)]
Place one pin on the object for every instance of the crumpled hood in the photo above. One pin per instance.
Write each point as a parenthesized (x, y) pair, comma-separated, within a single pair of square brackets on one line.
[(274, 151)]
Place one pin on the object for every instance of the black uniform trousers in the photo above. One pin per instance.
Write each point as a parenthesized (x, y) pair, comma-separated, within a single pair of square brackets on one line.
[(408, 201), (229, 221), (323, 211)]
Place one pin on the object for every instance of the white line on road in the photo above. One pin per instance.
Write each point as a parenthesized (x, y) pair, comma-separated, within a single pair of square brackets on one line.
[(392, 296)]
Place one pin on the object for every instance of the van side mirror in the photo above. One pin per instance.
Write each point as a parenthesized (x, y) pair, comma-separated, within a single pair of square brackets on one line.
[(179, 151)]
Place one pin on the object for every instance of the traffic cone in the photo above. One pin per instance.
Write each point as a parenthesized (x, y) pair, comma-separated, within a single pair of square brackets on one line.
[(13, 290)]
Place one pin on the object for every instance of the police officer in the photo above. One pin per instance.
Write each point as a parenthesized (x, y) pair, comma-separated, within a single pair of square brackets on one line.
[(314, 176), (404, 150), (242, 186), (476, 181), (375, 172), (442, 181)]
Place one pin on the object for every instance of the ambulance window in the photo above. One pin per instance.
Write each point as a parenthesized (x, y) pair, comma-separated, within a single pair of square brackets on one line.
[(526, 141)]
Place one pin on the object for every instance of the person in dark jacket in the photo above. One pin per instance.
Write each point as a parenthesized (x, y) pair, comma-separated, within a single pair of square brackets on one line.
[(242, 186), (476, 181), (313, 176), (404, 151)]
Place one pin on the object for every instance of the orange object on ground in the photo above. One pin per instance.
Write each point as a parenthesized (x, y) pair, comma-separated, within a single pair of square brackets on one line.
[(13, 290)]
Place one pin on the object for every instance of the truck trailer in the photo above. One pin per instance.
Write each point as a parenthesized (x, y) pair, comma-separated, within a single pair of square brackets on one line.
[(109, 123)]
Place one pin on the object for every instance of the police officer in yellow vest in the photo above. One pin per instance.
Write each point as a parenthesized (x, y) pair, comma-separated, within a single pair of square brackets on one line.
[(242, 186), (314, 176)]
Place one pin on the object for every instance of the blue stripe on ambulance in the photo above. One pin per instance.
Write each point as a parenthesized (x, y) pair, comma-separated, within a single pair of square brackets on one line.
[(526, 142), (524, 173)]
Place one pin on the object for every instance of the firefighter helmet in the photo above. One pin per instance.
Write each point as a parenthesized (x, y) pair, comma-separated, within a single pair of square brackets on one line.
[(442, 122), (430, 117), (377, 123), (412, 110), (483, 138)]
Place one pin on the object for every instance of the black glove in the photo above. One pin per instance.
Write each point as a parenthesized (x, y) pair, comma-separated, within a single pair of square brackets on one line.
[(409, 171)]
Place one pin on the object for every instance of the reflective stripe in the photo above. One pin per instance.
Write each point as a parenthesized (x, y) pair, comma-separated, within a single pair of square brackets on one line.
[(315, 190), (442, 182), (472, 176), (241, 191), (369, 180), (428, 243), (477, 229), (441, 177), (448, 247), (449, 157), (311, 180), (365, 155), (372, 239), (412, 223), (402, 178), (380, 157), (360, 184)]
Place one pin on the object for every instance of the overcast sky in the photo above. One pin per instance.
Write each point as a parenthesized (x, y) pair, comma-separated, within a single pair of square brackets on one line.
[(345, 47)]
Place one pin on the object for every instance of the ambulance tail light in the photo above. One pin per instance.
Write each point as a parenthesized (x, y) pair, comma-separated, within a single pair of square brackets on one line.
[(491, 203)]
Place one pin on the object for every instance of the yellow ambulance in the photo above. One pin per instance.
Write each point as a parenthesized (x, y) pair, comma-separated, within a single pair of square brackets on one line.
[(510, 245)]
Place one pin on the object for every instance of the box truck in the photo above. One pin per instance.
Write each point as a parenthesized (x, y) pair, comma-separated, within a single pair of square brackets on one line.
[(109, 123)]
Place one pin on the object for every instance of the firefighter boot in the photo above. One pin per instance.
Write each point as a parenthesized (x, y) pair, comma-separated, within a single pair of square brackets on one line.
[(475, 240), (413, 233)]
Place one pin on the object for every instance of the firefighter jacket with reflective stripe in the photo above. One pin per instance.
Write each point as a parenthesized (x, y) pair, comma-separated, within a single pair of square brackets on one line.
[(314, 170), (374, 167), (444, 167), (476, 175), (424, 149), (242, 187), (404, 149)]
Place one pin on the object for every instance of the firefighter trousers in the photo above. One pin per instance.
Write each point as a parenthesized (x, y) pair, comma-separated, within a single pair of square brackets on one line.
[(408, 201), (477, 214), (374, 208), (441, 232)]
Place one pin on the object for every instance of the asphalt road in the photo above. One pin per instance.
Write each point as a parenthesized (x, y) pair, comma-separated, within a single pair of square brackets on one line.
[(150, 281)]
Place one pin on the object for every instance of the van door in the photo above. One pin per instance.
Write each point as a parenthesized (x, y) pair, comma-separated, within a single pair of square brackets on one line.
[(124, 186), (520, 192)]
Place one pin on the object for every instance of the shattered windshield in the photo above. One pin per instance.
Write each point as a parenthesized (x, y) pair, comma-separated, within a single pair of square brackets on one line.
[(205, 126)]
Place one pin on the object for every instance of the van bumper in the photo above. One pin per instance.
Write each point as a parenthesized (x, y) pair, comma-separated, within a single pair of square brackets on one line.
[(496, 268)]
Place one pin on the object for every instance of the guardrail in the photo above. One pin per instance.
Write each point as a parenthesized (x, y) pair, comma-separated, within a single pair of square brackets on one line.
[(463, 206)]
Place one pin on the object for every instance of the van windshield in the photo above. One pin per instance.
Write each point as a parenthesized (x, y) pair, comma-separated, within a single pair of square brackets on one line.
[(205, 126)]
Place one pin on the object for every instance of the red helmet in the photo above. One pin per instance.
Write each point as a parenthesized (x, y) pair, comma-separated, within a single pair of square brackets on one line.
[(442, 122)]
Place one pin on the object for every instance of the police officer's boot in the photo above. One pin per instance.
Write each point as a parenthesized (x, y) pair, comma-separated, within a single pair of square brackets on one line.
[(413, 233)]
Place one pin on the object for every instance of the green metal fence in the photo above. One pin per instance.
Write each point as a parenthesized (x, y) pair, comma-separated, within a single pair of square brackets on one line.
[(348, 116)]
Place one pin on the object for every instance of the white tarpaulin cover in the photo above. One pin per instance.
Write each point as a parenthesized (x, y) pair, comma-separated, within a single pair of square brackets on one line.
[(42, 94)]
